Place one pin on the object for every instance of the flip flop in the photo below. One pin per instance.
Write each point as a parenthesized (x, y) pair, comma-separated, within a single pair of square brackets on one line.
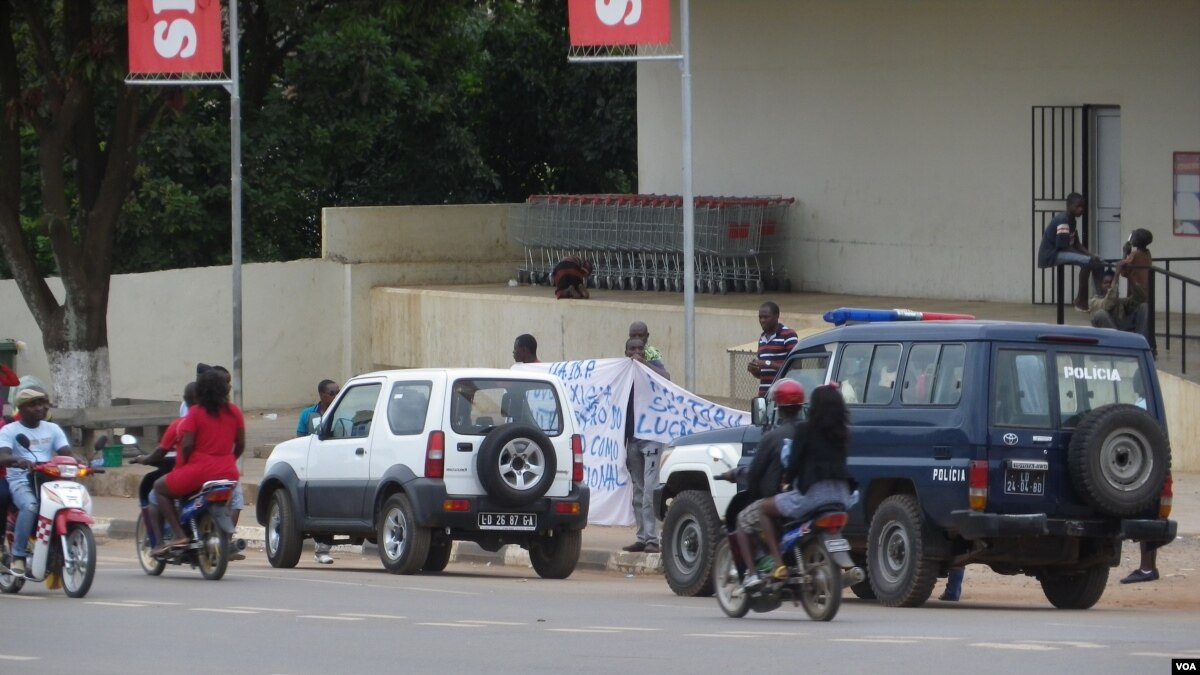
[(780, 573)]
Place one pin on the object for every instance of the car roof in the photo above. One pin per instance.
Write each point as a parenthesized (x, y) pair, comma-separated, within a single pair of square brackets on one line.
[(1003, 331), (453, 373)]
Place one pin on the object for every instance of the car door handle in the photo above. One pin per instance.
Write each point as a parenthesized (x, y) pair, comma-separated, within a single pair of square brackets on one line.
[(465, 447), (360, 451), (941, 452)]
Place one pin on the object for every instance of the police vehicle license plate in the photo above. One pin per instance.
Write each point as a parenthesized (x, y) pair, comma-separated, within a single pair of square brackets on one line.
[(1025, 477), (508, 521), (836, 545)]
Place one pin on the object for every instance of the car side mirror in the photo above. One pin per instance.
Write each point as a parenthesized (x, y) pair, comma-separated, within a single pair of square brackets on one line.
[(758, 411)]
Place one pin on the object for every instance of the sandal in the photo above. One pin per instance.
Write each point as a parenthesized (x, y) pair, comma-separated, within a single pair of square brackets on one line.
[(780, 573)]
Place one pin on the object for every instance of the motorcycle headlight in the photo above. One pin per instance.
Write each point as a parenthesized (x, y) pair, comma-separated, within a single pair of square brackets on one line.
[(68, 471)]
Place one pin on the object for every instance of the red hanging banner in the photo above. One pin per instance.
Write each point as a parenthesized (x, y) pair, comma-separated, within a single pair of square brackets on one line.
[(619, 22), (175, 36)]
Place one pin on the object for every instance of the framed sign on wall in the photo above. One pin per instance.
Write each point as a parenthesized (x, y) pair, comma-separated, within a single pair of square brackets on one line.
[(1187, 194)]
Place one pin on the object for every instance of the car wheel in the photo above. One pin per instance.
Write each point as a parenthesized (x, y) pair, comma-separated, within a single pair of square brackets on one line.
[(438, 556), (1118, 460), (690, 533), (1079, 589), (282, 533), (516, 464), (403, 546), (555, 557), (900, 574)]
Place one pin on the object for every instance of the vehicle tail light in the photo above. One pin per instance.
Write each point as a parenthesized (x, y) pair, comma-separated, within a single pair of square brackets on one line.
[(833, 522), (452, 505), (1164, 502), (977, 484), (567, 508), (435, 455), (576, 458)]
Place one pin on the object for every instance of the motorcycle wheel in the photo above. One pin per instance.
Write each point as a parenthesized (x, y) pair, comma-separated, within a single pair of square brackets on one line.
[(727, 584), (9, 582), (81, 547), (150, 565), (822, 595), (213, 554)]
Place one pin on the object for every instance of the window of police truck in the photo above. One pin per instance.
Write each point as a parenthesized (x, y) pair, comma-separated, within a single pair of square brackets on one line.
[(478, 406), (1084, 381)]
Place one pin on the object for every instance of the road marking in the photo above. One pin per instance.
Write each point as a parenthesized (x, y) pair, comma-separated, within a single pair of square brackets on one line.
[(884, 641), (764, 632), (720, 635), (1012, 645), (1065, 643), (329, 618), (14, 657), (451, 625), (581, 630), (264, 609), (433, 590), (912, 637), (370, 616), (494, 623), (220, 611), (155, 602), (631, 628), (112, 604), (1167, 655)]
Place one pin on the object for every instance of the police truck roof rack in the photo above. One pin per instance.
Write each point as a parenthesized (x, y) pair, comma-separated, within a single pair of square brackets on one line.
[(852, 315)]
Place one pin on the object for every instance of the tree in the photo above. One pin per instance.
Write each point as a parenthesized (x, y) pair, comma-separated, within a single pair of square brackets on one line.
[(64, 105)]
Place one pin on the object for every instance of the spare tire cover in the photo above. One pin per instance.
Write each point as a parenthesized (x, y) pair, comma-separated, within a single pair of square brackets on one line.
[(516, 464), (1118, 460)]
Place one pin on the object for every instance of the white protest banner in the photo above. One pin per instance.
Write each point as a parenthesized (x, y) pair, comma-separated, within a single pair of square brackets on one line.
[(598, 391)]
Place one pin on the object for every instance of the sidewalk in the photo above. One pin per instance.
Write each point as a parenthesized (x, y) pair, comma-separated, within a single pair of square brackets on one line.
[(114, 504)]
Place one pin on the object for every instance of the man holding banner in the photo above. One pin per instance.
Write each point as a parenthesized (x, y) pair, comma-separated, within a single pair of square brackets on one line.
[(642, 459)]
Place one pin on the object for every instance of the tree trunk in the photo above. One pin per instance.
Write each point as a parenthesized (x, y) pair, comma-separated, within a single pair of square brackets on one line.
[(81, 378)]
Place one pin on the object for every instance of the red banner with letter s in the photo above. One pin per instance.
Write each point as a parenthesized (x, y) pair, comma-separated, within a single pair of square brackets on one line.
[(619, 22), (175, 36)]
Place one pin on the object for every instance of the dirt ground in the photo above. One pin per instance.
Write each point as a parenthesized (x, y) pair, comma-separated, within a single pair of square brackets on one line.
[(1178, 587)]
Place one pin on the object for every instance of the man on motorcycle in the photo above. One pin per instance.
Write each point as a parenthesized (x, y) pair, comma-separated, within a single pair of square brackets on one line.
[(42, 440), (765, 478)]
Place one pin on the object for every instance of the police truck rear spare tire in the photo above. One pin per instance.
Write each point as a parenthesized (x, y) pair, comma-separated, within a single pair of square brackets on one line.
[(1118, 460), (690, 533)]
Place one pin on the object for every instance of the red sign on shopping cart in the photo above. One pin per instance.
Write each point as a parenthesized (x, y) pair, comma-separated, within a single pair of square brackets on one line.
[(619, 22)]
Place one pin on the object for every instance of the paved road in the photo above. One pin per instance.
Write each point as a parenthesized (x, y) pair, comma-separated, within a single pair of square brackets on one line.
[(353, 617)]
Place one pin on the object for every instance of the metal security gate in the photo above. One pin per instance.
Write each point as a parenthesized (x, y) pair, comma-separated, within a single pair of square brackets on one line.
[(1060, 152)]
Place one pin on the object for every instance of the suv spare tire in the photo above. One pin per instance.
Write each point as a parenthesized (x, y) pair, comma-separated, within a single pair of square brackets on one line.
[(516, 464), (1118, 460)]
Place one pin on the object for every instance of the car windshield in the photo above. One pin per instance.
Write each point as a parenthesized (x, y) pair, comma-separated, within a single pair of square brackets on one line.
[(480, 405)]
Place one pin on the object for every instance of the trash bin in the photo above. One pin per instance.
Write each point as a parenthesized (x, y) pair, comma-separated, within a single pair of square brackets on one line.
[(112, 455), (8, 356)]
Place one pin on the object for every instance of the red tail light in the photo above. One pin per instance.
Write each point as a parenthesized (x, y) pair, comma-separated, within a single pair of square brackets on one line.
[(977, 484), (576, 458), (832, 522), (435, 455), (1164, 502)]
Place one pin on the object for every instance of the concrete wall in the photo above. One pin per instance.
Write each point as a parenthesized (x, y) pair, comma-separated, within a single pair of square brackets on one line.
[(903, 128), (1183, 400)]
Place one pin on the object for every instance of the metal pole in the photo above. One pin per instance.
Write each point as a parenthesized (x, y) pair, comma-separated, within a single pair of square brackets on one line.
[(235, 193), (689, 209)]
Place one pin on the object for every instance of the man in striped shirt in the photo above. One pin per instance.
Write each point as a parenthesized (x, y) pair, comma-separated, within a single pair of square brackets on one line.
[(774, 345)]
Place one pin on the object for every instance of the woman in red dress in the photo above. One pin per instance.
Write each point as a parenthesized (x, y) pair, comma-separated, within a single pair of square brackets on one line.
[(213, 437)]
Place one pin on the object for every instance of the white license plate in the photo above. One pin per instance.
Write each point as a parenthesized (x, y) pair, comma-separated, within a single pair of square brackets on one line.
[(508, 521), (836, 545)]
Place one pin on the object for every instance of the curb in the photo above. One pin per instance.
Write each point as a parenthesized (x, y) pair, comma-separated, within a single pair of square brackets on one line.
[(461, 551)]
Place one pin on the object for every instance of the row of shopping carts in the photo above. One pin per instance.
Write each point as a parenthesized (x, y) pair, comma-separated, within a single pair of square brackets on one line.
[(636, 241)]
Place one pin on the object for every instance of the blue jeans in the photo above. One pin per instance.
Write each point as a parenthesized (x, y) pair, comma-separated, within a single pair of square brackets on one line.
[(26, 502), (642, 461), (1087, 266)]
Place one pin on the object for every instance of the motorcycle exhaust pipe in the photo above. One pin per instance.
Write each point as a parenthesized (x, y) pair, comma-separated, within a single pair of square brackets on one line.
[(239, 544), (852, 576)]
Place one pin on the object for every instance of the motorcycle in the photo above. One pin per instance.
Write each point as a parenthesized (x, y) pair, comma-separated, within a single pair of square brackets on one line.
[(62, 547), (817, 560)]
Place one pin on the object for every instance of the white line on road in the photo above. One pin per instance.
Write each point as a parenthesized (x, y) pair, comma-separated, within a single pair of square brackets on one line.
[(1167, 655), (720, 635), (912, 637), (370, 616), (622, 628), (14, 657), (451, 625), (431, 590), (1011, 645), (764, 632), (112, 604), (264, 609), (581, 630), (494, 623), (329, 618), (220, 611), (155, 602), (22, 597), (884, 641), (1065, 643)]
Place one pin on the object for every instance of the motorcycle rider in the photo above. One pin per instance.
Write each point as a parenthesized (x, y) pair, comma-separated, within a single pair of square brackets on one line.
[(213, 437), (163, 461), (45, 439), (816, 468), (765, 477)]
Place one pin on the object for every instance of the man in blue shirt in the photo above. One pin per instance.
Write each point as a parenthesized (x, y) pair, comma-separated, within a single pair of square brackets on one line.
[(42, 440), (1061, 246), (327, 390)]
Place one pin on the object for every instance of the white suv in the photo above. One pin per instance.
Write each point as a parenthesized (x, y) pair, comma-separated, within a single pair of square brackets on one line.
[(416, 459)]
